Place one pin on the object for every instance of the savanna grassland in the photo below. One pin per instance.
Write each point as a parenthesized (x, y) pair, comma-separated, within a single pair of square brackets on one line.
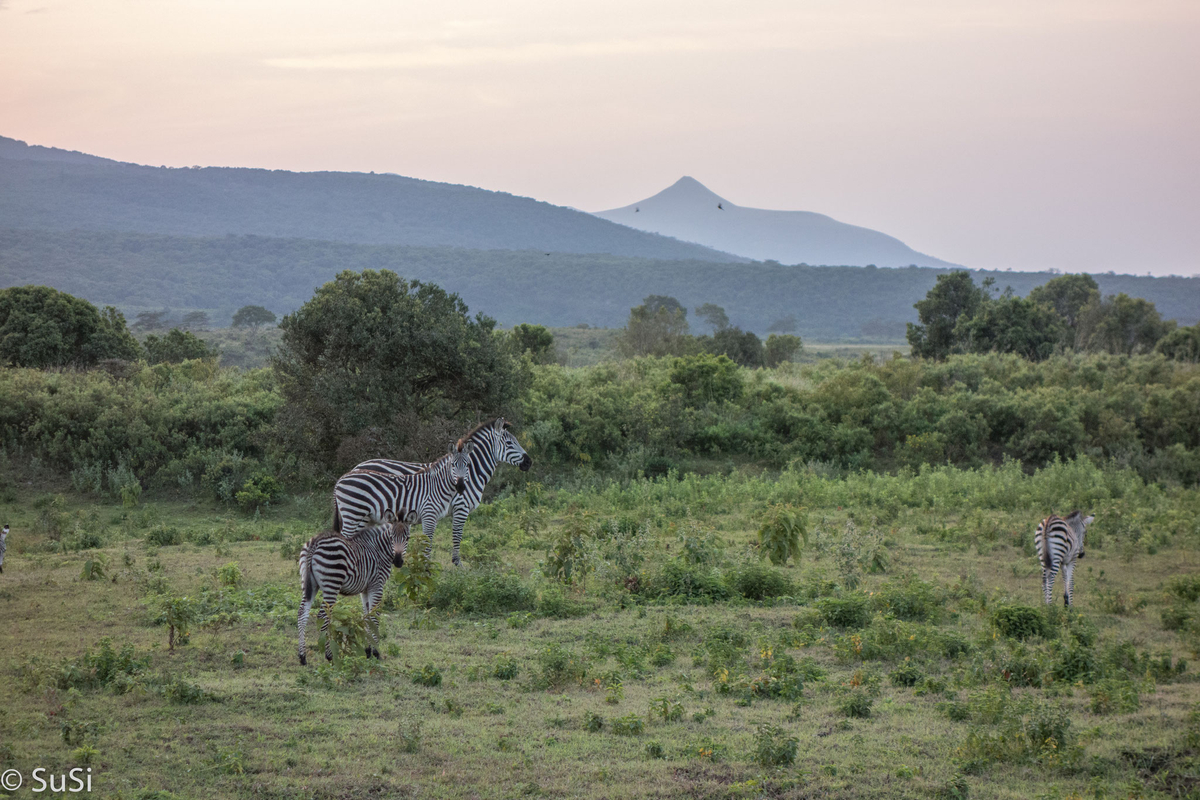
[(621, 639)]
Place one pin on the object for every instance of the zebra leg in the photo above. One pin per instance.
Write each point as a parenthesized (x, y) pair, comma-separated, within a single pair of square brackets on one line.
[(325, 614), (459, 520), (428, 526), (1068, 583), (370, 601), (301, 624), (1048, 583)]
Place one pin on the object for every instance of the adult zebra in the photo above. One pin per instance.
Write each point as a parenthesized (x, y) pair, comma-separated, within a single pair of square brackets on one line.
[(494, 443), (364, 496), (337, 565), (1059, 543)]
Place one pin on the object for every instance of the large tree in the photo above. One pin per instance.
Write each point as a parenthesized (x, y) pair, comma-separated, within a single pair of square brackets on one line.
[(253, 316), (658, 327), (1121, 325), (1012, 324), (176, 346), (955, 296), (373, 355), (1067, 295), (43, 327)]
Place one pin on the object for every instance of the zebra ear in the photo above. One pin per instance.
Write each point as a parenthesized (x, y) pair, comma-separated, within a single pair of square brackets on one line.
[(453, 447), (500, 424), (1088, 520)]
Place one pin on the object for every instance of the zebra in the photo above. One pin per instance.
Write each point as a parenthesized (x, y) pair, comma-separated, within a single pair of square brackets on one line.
[(1059, 542), (340, 565), (362, 496), (3, 547), (494, 443)]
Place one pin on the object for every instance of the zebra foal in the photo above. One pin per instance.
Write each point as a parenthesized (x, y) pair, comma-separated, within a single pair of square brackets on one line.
[(1059, 543), (339, 565), (493, 444)]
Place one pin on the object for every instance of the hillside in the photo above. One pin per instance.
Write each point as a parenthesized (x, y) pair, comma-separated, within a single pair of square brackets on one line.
[(49, 189), (689, 211), (220, 274)]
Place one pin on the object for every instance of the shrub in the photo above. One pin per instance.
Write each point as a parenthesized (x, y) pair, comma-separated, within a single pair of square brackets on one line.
[(1019, 622), (1074, 662), (558, 667), (773, 747), (93, 568), (481, 592), (907, 674), (779, 535), (857, 703), (954, 789), (655, 750), (1185, 587), (178, 614), (180, 692), (409, 734), (593, 722), (229, 575), (666, 708), (1022, 730), (258, 492), (1114, 696), (849, 610), (427, 675), (757, 582), (163, 536), (504, 667), (104, 668), (910, 599), (628, 725), (693, 582)]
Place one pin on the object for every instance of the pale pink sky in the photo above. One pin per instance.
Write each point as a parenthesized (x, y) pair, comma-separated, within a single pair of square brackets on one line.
[(1023, 133)]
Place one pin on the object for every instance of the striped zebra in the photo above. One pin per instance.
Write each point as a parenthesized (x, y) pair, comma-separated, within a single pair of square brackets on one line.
[(364, 496), (1059, 542), (337, 565), (3, 546), (494, 443)]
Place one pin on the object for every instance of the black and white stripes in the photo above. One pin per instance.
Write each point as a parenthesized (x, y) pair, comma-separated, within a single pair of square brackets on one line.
[(1059, 542), (3, 546), (493, 443), (338, 565)]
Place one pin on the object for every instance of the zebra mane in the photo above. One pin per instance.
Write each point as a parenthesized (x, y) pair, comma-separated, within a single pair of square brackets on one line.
[(1076, 514), (480, 427)]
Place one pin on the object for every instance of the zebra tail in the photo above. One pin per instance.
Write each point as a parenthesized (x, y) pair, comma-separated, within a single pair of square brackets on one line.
[(337, 518), (308, 584), (1045, 548)]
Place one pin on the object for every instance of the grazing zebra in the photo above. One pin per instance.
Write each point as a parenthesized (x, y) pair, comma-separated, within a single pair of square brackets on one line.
[(494, 443), (3, 546), (337, 565), (364, 496), (1059, 542)]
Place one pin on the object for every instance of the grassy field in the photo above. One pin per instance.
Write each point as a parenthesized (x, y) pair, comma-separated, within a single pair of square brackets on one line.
[(906, 654)]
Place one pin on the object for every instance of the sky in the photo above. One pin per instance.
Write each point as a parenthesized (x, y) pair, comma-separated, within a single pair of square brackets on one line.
[(1023, 134)]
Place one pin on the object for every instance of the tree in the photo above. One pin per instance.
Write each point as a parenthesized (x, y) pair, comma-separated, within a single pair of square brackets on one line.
[(176, 346), (151, 320), (744, 347), (253, 316), (194, 321), (714, 315), (1012, 324), (1067, 295), (658, 327), (1121, 324), (1181, 344), (781, 347), (43, 327), (373, 355), (536, 340), (953, 297)]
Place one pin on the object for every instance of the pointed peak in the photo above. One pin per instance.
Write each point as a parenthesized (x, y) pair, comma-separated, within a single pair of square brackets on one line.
[(690, 191)]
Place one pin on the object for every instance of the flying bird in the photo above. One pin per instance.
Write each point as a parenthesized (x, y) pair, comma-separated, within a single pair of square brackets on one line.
[(721, 207)]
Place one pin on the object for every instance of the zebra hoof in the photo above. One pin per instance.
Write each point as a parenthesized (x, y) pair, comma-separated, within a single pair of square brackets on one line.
[(375, 654), (329, 656), (303, 660)]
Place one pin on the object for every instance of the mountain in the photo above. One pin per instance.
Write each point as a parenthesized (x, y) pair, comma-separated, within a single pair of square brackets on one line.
[(691, 212), (44, 188)]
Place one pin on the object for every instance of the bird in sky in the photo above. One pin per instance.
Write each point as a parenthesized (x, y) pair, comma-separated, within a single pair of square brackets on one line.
[(721, 207)]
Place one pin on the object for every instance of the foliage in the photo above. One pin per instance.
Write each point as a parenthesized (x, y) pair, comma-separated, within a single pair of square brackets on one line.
[(773, 747), (43, 327), (658, 327), (1181, 344), (628, 725), (481, 591), (178, 613), (1121, 325), (779, 535), (427, 675), (259, 492), (253, 316), (1019, 622), (781, 348), (534, 340), (370, 348), (743, 347), (176, 346), (955, 296)]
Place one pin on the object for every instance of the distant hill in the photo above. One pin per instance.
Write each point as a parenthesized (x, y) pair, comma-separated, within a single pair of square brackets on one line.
[(689, 211), (220, 274), (45, 188)]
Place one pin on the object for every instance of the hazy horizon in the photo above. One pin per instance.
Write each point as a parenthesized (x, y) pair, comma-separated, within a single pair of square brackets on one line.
[(1049, 135)]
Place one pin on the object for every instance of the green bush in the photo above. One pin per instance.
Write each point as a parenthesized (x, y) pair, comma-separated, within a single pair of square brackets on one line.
[(559, 667), (163, 536), (1019, 622), (691, 582), (773, 747), (907, 674), (628, 725), (593, 722), (910, 599), (1114, 696), (857, 703), (481, 592), (849, 610), (757, 582), (779, 536), (504, 667), (258, 492), (1185, 587), (107, 667), (427, 675)]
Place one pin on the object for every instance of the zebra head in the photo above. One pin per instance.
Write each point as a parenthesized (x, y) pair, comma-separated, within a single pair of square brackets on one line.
[(510, 449), (400, 535), (1078, 524), (460, 464)]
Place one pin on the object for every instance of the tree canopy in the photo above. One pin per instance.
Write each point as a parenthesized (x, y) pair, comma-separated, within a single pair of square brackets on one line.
[(658, 327), (374, 355), (43, 327), (253, 317), (176, 346)]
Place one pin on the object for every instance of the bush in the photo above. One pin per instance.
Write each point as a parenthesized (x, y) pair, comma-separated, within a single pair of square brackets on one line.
[(163, 536), (504, 667), (1114, 696), (857, 703), (696, 583), (1019, 622), (104, 668), (757, 582), (481, 592), (849, 610), (1185, 587), (559, 667), (259, 492), (427, 675), (773, 747), (593, 722), (628, 725), (910, 599), (230, 575), (180, 692), (907, 674), (779, 535)]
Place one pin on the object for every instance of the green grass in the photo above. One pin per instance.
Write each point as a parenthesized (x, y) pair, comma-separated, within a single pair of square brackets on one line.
[(695, 699)]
